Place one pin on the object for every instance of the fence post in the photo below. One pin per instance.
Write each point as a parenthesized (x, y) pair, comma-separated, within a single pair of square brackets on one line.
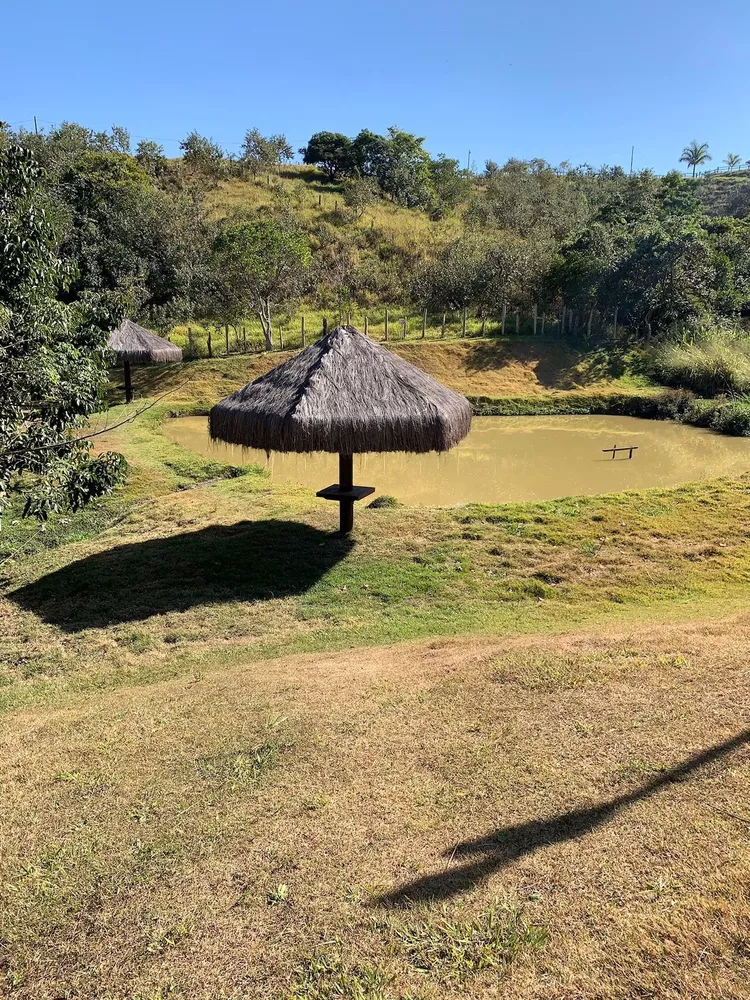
[(325, 325), (403, 323), (424, 323), (281, 338), (210, 351), (349, 318), (588, 325), (244, 340), (442, 329), (386, 324), (533, 313), (463, 323), (302, 330), (226, 336), (484, 322), (518, 321), (367, 328), (614, 334), (320, 200), (544, 320), (502, 321)]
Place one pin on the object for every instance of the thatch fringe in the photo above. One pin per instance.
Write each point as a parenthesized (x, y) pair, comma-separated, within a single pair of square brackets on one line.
[(347, 394), (134, 343)]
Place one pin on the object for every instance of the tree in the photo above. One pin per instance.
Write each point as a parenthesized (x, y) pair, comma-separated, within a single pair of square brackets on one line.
[(695, 155), (360, 193), (258, 264), (331, 151), (732, 161), (261, 152), (151, 157), (52, 359), (450, 184), (202, 155)]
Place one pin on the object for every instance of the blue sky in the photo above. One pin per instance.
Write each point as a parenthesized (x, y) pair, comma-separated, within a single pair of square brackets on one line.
[(577, 80)]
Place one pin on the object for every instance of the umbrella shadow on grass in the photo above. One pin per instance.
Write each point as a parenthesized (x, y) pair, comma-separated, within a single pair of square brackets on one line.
[(499, 848), (247, 561)]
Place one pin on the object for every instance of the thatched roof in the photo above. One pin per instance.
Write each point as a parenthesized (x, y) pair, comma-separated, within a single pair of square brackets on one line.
[(134, 343), (345, 393)]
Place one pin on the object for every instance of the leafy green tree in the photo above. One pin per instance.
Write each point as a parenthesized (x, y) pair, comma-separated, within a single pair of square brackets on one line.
[(360, 193), (202, 155), (450, 184), (258, 264), (695, 155), (261, 152), (150, 156), (52, 359), (733, 160), (331, 151)]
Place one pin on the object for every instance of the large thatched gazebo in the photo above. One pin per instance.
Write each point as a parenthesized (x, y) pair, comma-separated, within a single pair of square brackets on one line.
[(135, 345), (346, 394)]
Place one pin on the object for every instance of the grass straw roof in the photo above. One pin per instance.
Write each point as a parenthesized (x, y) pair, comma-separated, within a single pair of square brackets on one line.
[(134, 343), (348, 394)]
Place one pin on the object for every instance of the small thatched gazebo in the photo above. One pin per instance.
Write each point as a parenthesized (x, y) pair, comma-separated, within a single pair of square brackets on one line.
[(346, 394), (135, 345)]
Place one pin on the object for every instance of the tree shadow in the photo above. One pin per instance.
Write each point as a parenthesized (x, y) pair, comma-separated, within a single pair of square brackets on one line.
[(500, 848), (558, 364), (246, 561)]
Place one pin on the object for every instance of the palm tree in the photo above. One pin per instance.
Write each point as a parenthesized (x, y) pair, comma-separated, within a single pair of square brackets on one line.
[(695, 154), (732, 161)]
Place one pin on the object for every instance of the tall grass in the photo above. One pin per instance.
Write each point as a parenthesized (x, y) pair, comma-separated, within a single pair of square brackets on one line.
[(713, 362)]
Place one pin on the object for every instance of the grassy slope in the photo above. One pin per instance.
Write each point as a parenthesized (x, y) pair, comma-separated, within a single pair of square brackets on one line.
[(159, 802)]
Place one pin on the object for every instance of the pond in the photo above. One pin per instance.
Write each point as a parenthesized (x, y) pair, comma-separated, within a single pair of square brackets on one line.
[(509, 458)]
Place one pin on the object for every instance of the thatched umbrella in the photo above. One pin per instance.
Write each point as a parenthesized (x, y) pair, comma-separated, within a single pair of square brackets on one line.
[(135, 345), (346, 394)]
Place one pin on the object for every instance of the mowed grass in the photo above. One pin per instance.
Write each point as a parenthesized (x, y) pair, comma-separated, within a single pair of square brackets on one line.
[(492, 751), (558, 818)]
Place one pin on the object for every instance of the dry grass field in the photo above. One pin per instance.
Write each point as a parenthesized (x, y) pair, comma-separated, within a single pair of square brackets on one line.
[(546, 818)]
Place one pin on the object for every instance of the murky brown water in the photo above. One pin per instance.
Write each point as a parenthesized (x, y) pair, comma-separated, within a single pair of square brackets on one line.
[(509, 458)]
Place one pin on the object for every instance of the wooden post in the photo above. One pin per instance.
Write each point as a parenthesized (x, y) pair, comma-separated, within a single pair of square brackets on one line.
[(320, 200), (386, 324), (128, 381), (367, 327), (302, 330), (226, 336), (544, 320), (518, 321), (336, 207), (325, 325), (442, 329), (210, 350), (281, 338), (588, 325), (346, 481), (244, 340), (349, 318), (424, 323), (533, 314), (484, 322), (614, 334), (403, 324), (502, 321), (463, 323)]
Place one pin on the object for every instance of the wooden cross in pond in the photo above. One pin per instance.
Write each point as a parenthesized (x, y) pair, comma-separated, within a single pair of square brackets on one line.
[(614, 449)]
